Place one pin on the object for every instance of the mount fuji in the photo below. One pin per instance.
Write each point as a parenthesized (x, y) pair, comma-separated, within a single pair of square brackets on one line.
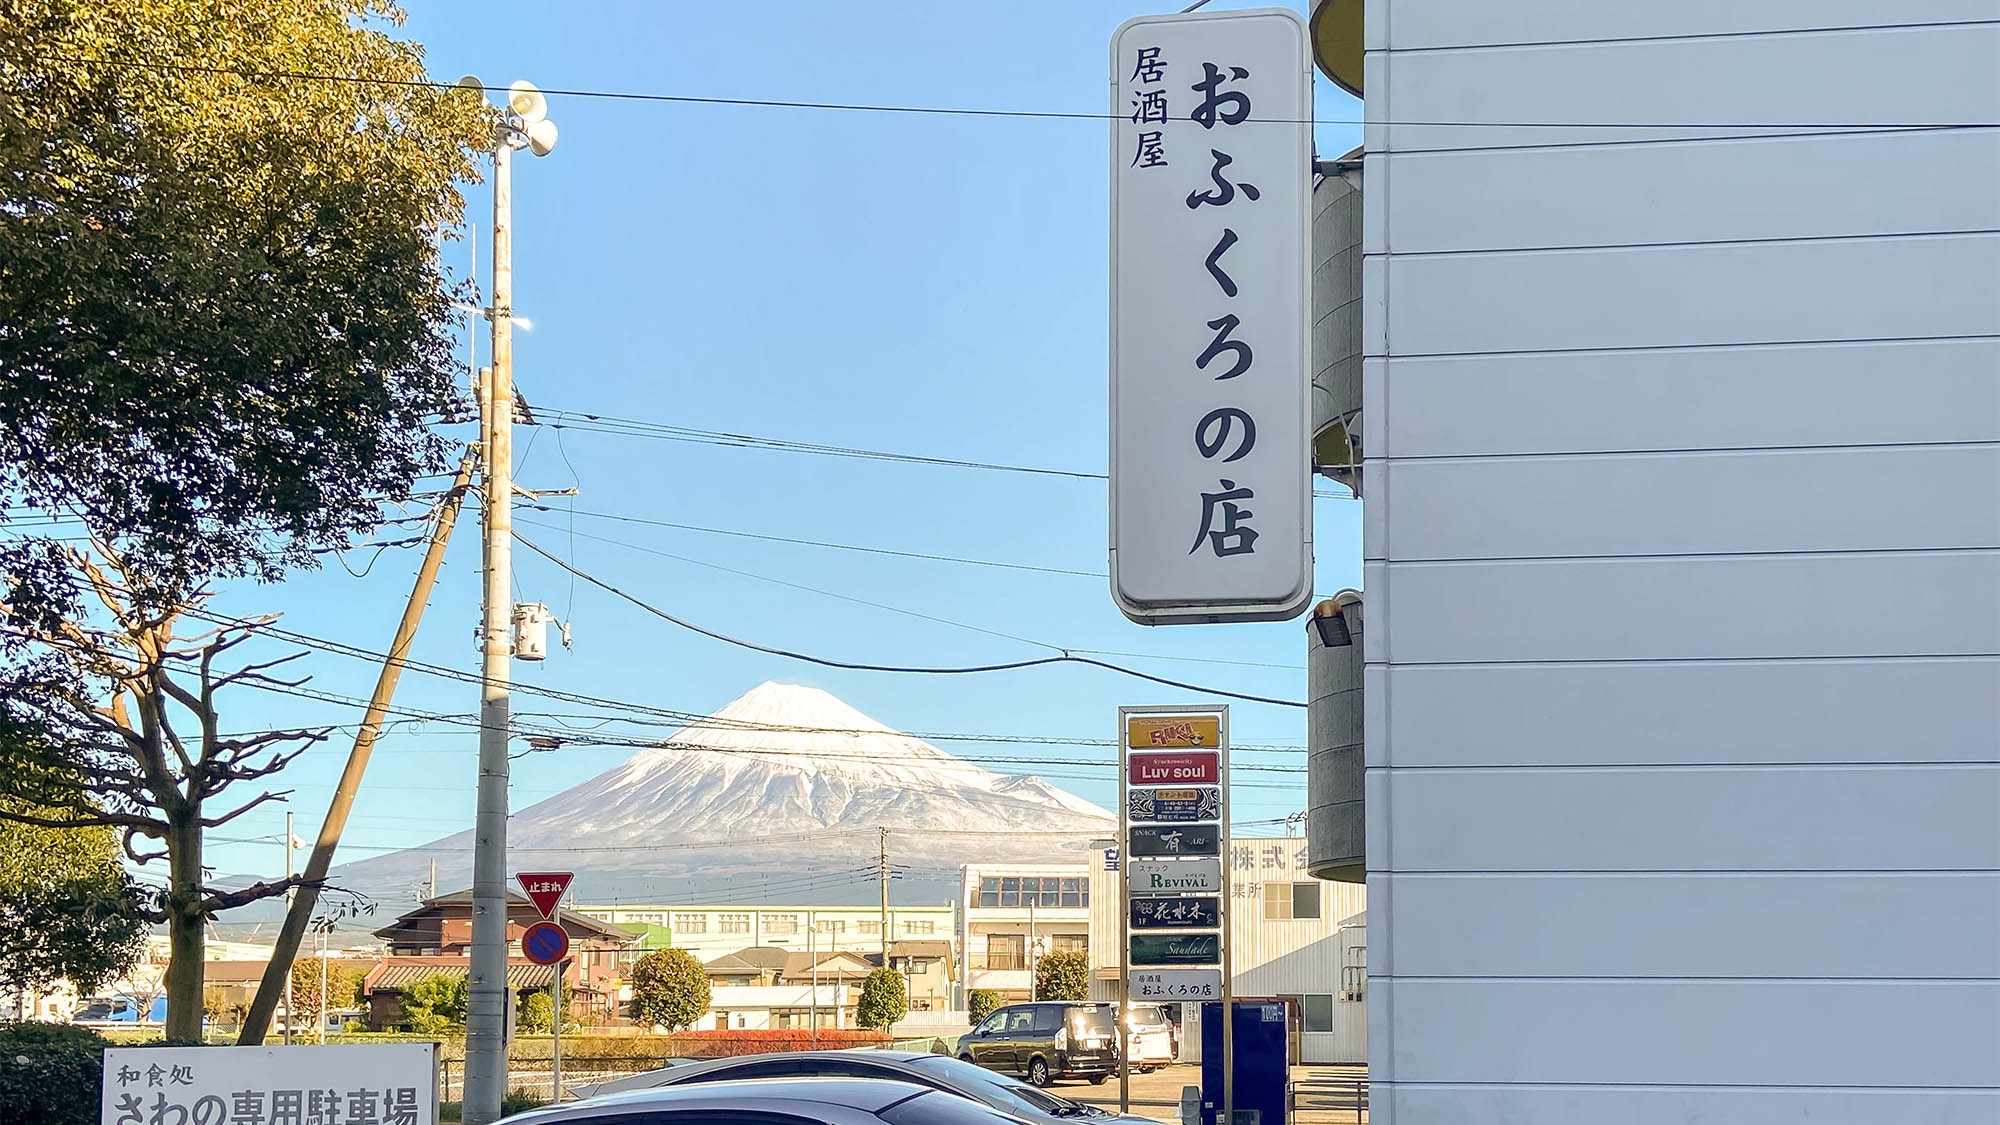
[(780, 796)]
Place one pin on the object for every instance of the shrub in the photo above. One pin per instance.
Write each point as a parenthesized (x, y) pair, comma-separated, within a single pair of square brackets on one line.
[(436, 1004), (669, 989), (536, 1013), (882, 1000), (59, 1083), (982, 1003), (1063, 975)]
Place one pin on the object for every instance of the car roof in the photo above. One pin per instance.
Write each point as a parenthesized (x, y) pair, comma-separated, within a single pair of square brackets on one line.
[(870, 1094)]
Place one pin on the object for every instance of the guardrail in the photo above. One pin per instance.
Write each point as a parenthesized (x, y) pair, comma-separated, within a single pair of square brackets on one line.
[(1331, 1095)]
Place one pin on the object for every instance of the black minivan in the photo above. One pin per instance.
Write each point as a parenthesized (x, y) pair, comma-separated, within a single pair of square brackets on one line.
[(1047, 1040)]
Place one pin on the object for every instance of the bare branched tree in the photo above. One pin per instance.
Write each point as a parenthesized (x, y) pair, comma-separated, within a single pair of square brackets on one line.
[(109, 717)]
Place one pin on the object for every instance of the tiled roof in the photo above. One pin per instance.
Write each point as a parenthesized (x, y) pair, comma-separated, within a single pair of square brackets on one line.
[(518, 907), (397, 973), (251, 972), (756, 958)]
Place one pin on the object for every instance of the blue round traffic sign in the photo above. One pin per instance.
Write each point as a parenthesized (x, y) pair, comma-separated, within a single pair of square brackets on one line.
[(544, 943)]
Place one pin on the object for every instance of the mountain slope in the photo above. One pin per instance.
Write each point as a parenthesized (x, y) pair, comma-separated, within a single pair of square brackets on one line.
[(778, 796)]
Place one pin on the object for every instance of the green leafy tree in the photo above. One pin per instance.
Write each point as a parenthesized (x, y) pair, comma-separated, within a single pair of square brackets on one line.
[(343, 990), (224, 329), (537, 1012), (222, 1006), (68, 910), (226, 321), (436, 1004), (669, 989), (883, 1001), (1063, 975), (982, 1003)]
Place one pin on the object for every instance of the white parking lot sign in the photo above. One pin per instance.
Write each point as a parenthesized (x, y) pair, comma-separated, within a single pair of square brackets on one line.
[(373, 1084)]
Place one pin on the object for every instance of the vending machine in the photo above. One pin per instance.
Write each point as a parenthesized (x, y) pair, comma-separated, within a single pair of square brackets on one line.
[(1261, 1059)]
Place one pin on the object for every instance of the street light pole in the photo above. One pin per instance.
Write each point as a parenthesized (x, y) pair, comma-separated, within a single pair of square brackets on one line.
[(526, 126)]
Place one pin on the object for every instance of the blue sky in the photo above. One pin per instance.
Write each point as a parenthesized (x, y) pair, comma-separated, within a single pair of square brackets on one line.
[(926, 284)]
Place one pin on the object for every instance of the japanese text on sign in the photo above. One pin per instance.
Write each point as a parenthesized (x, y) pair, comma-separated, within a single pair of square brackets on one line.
[(1211, 181), (375, 1084)]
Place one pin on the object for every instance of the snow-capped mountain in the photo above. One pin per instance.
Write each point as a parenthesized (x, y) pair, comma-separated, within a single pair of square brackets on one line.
[(784, 789)]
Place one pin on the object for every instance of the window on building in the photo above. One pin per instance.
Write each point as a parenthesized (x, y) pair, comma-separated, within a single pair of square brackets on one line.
[(1305, 899), (1318, 1012), (1051, 892), (912, 926), (831, 926), (1069, 943), (1354, 973), (1010, 891), (1287, 901), (733, 924), (1072, 892), (1006, 951), (691, 923), (781, 924), (872, 929)]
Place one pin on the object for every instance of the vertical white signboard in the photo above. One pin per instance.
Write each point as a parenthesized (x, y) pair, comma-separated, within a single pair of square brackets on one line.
[(1211, 186), (376, 1084)]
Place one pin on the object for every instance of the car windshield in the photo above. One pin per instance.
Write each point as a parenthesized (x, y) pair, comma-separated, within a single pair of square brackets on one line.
[(1020, 1094), (936, 1108)]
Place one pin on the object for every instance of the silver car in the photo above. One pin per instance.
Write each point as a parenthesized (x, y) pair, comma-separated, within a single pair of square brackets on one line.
[(1010, 1096), (799, 1101)]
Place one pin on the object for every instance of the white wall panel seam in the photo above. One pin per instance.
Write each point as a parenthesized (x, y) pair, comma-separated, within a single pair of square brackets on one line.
[(1691, 37)]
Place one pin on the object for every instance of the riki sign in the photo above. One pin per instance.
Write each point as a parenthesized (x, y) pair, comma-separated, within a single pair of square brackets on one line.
[(1199, 767), (1150, 732), (545, 888)]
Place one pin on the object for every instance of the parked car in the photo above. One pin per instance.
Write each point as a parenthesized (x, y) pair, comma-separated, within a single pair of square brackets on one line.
[(119, 1011), (774, 1101), (1047, 1040), (1154, 1038), (939, 1072)]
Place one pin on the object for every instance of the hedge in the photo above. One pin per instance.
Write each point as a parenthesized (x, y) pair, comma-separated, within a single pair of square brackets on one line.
[(747, 1041), (62, 1078)]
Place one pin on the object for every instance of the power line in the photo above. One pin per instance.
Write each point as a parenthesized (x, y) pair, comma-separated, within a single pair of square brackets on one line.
[(803, 542), (689, 745), (967, 111), (660, 431), (824, 662), (916, 613)]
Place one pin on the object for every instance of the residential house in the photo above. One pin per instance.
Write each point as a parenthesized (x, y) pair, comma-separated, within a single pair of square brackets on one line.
[(437, 937)]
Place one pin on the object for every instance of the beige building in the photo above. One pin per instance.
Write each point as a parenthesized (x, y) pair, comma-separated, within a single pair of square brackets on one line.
[(1015, 914), (713, 930)]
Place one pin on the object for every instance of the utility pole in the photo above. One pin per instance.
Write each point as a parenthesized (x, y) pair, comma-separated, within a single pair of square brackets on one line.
[(277, 980), (486, 993), (526, 126), (883, 870), (288, 910)]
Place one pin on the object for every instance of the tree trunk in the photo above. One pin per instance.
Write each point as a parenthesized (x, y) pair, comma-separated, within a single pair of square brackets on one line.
[(184, 927)]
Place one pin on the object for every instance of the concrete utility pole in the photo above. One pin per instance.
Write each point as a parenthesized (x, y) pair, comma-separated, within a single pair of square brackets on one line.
[(526, 126), (883, 869), (486, 993)]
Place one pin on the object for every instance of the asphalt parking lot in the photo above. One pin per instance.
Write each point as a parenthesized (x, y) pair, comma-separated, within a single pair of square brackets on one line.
[(1325, 1095)]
